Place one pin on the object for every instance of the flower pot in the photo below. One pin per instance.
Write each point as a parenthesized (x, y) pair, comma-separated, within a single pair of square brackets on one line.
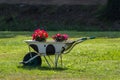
[(40, 39)]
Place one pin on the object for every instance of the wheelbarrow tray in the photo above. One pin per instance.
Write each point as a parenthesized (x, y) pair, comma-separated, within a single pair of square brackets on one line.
[(49, 47)]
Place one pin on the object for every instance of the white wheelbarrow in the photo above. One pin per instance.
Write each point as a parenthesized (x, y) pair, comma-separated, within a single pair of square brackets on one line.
[(46, 49)]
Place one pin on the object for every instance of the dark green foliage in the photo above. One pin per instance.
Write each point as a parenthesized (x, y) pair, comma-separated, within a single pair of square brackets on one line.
[(111, 11), (23, 17)]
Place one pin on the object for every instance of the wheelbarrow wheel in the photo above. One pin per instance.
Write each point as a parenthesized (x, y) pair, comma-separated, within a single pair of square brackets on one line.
[(35, 62)]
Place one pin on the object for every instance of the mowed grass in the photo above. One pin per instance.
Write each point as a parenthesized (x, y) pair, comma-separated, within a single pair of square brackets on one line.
[(97, 59)]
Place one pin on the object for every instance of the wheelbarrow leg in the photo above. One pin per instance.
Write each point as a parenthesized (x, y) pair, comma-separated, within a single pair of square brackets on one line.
[(56, 59), (51, 60), (61, 59), (47, 61)]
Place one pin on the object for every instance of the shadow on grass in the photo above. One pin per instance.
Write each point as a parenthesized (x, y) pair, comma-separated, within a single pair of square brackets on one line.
[(12, 34), (42, 68), (72, 34)]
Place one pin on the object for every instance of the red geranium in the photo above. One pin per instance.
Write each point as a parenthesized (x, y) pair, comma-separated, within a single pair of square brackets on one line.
[(39, 35), (60, 37)]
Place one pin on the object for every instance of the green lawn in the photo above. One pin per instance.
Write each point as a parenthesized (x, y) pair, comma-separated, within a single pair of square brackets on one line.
[(97, 59)]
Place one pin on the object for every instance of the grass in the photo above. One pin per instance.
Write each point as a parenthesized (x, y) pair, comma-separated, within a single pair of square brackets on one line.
[(97, 59)]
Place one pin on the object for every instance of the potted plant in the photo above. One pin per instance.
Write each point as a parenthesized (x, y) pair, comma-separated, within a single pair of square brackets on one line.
[(60, 37), (39, 35)]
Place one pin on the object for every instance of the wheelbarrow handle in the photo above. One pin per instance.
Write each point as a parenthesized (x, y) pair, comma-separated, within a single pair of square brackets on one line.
[(72, 44), (92, 37), (85, 38)]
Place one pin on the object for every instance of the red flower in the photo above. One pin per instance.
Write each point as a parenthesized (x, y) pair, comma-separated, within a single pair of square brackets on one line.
[(34, 36), (60, 37), (45, 34), (39, 34), (37, 31), (65, 36)]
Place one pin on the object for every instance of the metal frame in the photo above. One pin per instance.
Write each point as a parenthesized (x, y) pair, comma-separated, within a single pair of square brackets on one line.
[(55, 63), (58, 55)]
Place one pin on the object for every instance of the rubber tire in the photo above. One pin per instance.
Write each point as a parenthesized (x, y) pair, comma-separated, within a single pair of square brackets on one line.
[(35, 62)]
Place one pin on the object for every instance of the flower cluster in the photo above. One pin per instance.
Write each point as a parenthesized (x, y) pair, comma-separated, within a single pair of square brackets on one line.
[(60, 37), (39, 35)]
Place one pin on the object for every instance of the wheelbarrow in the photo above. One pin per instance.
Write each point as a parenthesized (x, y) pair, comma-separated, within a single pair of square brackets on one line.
[(33, 58)]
